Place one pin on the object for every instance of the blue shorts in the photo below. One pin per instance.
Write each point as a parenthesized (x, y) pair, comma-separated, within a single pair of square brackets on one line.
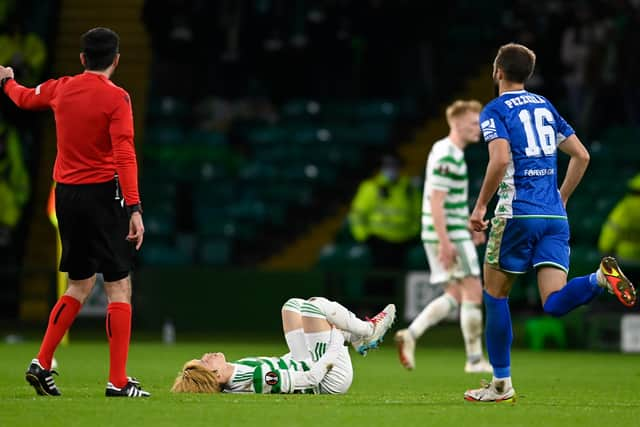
[(516, 245)]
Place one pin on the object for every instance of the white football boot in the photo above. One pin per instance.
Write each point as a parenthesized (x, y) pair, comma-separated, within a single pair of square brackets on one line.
[(381, 324), (406, 345), (494, 391)]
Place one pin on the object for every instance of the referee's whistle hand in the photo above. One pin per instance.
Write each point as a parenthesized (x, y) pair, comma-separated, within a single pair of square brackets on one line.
[(6, 72), (136, 229)]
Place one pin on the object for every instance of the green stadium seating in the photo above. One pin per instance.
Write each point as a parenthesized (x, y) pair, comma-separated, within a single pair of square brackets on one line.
[(215, 252), (300, 108), (159, 222), (286, 165), (374, 133), (199, 136), (284, 194), (167, 108), (376, 110), (344, 236), (164, 134), (540, 331), (417, 259), (216, 226), (164, 254), (347, 256), (584, 259), (267, 134)]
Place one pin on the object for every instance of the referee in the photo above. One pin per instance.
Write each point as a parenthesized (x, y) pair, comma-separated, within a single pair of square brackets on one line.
[(97, 201)]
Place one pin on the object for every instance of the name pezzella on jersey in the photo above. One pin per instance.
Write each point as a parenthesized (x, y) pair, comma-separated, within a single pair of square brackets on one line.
[(524, 99)]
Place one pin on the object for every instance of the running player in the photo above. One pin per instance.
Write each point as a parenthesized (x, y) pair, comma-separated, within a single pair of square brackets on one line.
[(530, 228), (450, 247), (318, 362)]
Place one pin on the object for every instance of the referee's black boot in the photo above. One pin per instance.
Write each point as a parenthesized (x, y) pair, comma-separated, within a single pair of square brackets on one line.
[(42, 379), (132, 389)]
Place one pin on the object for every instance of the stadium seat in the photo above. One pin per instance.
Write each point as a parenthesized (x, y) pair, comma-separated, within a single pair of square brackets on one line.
[(267, 134), (376, 110), (417, 259), (344, 235), (216, 226), (167, 108), (159, 222), (338, 111), (543, 330), (374, 133), (164, 254), (164, 134), (199, 136), (345, 256), (603, 331), (348, 264), (584, 259), (215, 252)]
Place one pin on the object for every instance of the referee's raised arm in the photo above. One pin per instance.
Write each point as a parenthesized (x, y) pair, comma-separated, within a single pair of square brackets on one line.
[(97, 201)]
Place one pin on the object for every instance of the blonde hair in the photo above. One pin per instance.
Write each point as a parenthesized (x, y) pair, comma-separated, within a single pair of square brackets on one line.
[(460, 107), (195, 378)]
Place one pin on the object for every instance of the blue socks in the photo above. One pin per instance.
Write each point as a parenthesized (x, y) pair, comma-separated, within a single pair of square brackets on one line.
[(577, 291), (499, 334)]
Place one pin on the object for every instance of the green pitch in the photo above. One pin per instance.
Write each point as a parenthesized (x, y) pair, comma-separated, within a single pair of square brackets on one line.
[(555, 389)]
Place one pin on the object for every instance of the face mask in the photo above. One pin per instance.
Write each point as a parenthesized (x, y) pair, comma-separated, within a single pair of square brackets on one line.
[(390, 173)]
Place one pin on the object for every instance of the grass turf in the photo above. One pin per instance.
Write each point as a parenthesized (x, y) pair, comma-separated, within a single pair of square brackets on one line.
[(554, 389)]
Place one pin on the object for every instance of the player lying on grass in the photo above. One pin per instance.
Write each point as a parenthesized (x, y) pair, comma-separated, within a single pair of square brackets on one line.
[(318, 361)]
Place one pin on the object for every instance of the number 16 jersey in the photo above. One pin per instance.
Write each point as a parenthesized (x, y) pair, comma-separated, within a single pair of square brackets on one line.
[(534, 129)]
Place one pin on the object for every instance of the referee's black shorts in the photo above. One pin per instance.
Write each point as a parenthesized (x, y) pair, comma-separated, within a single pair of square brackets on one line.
[(93, 227)]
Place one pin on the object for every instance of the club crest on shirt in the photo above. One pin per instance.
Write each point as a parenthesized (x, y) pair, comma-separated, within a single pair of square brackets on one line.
[(489, 130), (443, 169), (271, 378)]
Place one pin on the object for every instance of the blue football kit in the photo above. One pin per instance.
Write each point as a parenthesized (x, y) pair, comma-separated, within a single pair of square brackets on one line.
[(530, 227)]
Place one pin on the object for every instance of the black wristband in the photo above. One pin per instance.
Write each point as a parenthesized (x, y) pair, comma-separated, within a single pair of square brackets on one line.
[(3, 81), (134, 208)]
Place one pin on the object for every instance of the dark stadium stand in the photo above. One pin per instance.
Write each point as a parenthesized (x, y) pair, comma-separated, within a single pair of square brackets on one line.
[(240, 201)]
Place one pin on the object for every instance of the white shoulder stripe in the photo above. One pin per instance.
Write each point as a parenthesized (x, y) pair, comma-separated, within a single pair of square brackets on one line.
[(38, 89)]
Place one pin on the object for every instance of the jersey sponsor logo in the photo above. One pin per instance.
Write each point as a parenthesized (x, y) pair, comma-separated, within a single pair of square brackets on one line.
[(271, 378), (539, 172), (489, 129)]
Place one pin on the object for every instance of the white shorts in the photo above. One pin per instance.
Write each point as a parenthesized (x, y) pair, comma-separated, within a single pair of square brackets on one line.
[(466, 264), (339, 378)]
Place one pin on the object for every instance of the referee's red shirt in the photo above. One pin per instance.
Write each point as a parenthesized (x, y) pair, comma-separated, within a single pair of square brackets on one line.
[(94, 128)]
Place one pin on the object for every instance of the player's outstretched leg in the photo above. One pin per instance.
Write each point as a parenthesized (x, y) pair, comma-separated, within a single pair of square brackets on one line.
[(365, 334), (611, 278), (381, 323)]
